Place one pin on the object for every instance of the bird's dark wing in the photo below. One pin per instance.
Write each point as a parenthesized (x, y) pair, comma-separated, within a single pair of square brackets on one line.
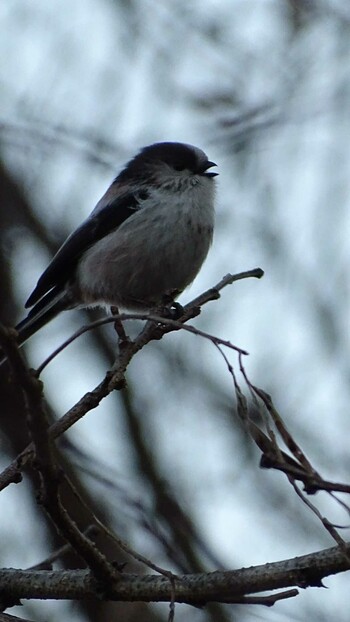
[(102, 222)]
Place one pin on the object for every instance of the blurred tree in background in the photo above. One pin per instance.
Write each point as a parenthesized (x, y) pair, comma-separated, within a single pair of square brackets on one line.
[(263, 86)]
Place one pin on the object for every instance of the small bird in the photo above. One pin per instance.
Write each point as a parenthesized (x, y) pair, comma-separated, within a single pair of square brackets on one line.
[(147, 237)]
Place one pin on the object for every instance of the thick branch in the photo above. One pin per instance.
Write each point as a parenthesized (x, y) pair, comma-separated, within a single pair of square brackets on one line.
[(46, 465), (225, 587)]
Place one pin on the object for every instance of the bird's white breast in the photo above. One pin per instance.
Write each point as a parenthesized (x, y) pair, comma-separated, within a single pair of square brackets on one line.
[(158, 249)]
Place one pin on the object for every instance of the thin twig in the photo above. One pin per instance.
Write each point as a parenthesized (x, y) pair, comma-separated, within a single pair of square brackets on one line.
[(158, 319), (90, 532), (121, 543), (169, 324)]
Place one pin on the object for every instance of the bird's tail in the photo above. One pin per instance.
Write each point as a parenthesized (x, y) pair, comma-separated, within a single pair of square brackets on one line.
[(43, 312)]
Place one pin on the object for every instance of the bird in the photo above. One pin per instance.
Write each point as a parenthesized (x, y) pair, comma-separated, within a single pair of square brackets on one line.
[(146, 238)]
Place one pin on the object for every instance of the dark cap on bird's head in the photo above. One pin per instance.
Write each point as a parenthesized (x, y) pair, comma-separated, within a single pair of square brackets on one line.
[(179, 156)]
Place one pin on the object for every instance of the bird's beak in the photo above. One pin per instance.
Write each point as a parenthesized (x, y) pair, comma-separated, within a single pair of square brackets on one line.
[(208, 165)]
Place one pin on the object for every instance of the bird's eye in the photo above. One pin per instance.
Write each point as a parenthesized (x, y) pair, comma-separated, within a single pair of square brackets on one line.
[(143, 195), (179, 167)]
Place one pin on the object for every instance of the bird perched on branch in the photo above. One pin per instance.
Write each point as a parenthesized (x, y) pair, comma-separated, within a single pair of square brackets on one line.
[(147, 237)]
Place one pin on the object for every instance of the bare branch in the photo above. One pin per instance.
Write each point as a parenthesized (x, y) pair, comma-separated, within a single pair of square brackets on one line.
[(48, 470), (165, 325), (224, 586), (46, 564), (115, 379)]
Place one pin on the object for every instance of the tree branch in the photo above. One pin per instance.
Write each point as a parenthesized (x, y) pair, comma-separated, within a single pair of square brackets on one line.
[(195, 589), (48, 470), (114, 379)]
